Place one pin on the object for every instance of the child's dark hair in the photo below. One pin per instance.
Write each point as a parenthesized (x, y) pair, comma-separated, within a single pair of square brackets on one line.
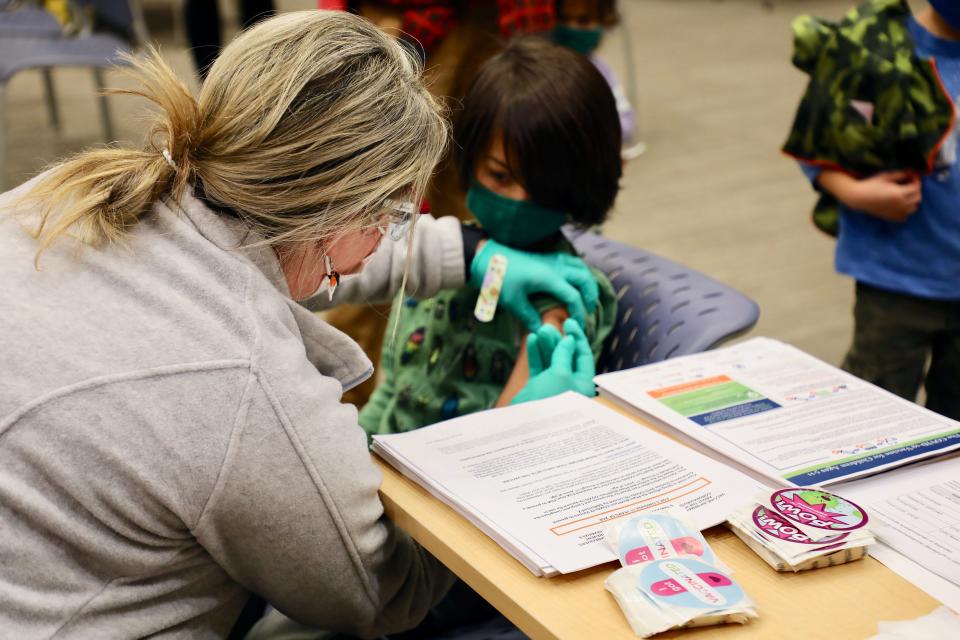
[(558, 119)]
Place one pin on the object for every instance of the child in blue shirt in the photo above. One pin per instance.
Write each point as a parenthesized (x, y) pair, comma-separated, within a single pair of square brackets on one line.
[(899, 238)]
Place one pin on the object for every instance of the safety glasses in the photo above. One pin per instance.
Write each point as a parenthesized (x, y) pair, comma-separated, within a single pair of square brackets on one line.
[(399, 217)]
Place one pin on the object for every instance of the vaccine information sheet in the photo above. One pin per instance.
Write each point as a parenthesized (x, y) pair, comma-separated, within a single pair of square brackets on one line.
[(544, 478), (782, 413)]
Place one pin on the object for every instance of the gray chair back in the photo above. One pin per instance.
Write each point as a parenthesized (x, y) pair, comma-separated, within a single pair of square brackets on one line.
[(664, 309)]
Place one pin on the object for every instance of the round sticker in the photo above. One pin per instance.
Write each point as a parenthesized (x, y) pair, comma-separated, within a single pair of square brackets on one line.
[(818, 509), (658, 537), (780, 528), (685, 582)]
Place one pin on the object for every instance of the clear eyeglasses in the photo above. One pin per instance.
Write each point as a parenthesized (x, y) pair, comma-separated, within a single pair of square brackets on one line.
[(400, 216)]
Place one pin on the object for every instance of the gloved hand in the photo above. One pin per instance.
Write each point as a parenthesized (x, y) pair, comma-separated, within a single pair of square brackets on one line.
[(558, 364), (561, 276)]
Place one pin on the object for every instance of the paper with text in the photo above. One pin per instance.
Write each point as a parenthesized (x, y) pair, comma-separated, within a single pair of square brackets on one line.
[(547, 476), (916, 511), (783, 413)]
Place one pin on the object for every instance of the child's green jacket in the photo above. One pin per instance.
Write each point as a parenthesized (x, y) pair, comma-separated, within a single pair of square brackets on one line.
[(443, 363)]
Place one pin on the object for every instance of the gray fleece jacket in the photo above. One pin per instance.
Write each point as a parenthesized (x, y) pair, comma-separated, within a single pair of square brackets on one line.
[(172, 437)]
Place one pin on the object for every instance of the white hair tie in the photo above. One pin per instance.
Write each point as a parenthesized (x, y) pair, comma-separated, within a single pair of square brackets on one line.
[(166, 156)]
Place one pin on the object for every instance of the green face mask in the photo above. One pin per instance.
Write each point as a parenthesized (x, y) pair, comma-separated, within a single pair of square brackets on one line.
[(583, 41), (517, 223)]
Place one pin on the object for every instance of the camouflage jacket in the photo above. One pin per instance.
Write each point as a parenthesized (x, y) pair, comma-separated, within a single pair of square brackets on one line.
[(871, 104)]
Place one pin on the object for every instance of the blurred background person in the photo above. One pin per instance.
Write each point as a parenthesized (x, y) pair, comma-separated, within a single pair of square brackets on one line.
[(202, 19)]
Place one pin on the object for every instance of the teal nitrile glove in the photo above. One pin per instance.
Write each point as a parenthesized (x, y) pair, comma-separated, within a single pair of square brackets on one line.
[(558, 364), (562, 276)]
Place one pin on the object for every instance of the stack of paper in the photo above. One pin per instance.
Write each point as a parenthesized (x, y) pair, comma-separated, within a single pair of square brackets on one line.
[(916, 512), (544, 478), (780, 413), (801, 529)]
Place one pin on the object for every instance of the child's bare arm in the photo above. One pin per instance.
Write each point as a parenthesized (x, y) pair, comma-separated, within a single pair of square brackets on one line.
[(521, 370), (892, 195)]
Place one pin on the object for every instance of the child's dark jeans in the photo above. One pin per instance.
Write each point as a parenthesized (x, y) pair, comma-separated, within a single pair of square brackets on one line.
[(893, 336)]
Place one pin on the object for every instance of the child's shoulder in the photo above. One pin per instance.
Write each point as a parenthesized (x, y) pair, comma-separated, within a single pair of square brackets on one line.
[(606, 313), (603, 282), (599, 323)]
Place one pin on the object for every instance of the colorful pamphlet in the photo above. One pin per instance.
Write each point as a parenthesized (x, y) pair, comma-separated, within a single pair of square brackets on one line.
[(781, 414)]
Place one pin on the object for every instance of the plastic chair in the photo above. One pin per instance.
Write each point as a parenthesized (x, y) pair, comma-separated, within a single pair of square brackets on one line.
[(25, 20), (27, 41), (665, 309)]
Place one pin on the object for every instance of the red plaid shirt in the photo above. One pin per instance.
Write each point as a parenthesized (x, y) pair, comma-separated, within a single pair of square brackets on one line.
[(526, 16), (428, 21)]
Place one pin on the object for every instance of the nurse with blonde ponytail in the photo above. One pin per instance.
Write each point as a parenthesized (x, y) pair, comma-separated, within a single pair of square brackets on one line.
[(171, 433)]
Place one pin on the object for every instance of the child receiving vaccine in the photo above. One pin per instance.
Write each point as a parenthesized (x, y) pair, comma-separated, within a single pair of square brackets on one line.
[(538, 147)]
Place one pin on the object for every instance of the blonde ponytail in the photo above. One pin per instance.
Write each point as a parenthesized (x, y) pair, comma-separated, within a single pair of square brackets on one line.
[(98, 195), (305, 125)]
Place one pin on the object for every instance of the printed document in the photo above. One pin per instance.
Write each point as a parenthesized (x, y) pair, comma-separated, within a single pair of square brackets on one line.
[(782, 413), (544, 478), (917, 512)]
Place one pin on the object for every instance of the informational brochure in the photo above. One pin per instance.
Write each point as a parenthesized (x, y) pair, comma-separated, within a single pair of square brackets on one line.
[(544, 478), (782, 413), (917, 512)]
